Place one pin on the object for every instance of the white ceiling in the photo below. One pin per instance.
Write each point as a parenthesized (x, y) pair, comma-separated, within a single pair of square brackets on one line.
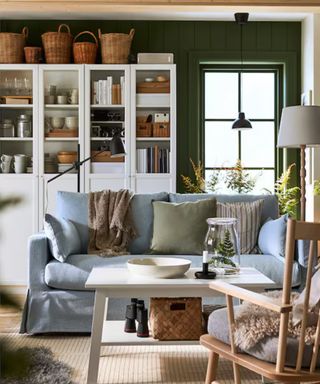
[(99, 11)]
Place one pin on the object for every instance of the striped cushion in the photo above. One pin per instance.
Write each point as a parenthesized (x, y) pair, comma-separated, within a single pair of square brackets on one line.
[(249, 221)]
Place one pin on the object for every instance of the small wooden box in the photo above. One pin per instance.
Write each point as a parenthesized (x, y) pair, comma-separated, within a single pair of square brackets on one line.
[(154, 87), (144, 129), (161, 129), (105, 157)]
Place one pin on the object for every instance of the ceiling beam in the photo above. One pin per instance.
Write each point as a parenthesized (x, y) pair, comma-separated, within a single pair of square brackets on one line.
[(282, 3)]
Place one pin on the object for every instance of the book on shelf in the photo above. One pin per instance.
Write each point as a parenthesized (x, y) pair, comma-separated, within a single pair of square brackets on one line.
[(153, 160), (104, 92)]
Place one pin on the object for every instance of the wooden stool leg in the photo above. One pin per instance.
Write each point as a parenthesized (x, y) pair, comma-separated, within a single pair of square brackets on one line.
[(212, 367)]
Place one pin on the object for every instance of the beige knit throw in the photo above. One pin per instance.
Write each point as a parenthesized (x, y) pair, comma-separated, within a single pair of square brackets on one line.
[(110, 222), (254, 323)]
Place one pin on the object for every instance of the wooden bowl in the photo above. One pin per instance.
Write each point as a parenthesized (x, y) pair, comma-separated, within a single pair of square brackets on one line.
[(67, 157)]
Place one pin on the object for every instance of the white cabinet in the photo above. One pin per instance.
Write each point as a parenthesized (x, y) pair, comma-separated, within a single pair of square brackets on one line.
[(107, 111), (19, 96), (61, 130), (153, 128)]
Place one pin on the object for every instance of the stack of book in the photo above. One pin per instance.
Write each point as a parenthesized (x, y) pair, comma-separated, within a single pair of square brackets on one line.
[(153, 160), (104, 92)]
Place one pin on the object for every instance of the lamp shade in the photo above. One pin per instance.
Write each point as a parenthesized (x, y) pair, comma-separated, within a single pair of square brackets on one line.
[(116, 146), (241, 122), (300, 125)]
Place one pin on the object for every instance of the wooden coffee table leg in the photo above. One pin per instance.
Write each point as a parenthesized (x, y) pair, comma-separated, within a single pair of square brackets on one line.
[(100, 303)]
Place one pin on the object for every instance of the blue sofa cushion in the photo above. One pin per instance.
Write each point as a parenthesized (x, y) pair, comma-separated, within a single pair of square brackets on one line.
[(74, 207), (272, 236), (74, 272), (270, 205), (62, 236)]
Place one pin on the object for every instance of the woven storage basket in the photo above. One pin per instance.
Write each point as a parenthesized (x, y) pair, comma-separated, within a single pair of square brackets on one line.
[(11, 46), (176, 318), (144, 130), (115, 47), (161, 129), (57, 46), (85, 52), (33, 55)]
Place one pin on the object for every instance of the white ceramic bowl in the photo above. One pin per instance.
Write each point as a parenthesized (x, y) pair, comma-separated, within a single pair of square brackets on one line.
[(57, 122), (159, 267)]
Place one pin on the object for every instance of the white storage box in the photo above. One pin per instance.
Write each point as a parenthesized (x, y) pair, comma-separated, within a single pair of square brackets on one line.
[(153, 100), (155, 58), (99, 167)]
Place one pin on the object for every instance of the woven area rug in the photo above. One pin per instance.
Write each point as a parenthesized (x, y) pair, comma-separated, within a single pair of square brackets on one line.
[(124, 365), (131, 365)]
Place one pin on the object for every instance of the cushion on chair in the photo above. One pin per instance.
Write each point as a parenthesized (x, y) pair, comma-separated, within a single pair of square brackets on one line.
[(266, 350)]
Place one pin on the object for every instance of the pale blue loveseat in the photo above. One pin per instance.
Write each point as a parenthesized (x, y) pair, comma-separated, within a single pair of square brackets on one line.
[(57, 300)]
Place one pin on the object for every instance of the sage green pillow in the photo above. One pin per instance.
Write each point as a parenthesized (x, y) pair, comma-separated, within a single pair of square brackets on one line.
[(180, 229)]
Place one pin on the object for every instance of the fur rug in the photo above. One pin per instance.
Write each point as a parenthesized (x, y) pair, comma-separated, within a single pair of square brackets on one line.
[(43, 369), (254, 323)]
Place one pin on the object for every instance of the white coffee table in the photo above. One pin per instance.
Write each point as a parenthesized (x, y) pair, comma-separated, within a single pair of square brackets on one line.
[(118, 282)]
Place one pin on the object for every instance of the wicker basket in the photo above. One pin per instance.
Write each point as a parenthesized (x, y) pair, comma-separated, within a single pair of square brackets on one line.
[(85, 52), (33, 55), (144, 130), (115, 47), (57, 46), (11, 46), (161, 130), (176, 318)]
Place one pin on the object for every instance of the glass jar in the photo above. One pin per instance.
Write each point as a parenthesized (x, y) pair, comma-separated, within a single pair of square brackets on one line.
[(222, 244), (6, 128)]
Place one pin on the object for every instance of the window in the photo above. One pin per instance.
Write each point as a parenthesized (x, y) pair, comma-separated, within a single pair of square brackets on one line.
[(226, 92)]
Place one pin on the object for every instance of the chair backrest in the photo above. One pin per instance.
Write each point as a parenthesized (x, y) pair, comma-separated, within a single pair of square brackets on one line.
[(297, 230)]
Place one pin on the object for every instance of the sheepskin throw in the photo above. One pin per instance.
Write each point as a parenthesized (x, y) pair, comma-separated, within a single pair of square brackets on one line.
[(254, 323), (110, 222)]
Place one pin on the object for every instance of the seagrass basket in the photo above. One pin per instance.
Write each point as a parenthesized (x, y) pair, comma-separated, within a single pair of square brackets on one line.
[(115, 47), (11, 46), (33, 55), (58, 45), (85, 52), (176, 318)]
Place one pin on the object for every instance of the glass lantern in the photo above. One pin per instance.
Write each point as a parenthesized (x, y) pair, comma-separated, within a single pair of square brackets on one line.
[(222, 244)]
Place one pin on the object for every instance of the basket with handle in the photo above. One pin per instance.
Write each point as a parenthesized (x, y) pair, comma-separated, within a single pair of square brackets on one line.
[(115, 47), (57, 45), (11, 46), (85, 52)]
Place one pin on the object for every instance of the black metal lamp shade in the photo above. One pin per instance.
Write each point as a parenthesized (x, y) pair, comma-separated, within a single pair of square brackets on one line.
[(241, 122), (117, 147)]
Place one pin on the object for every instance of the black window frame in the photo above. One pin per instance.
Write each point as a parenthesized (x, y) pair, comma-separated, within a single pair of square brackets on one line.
[(278, 104)]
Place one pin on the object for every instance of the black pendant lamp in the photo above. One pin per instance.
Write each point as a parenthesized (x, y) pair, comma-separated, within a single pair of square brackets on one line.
[(241, 122)]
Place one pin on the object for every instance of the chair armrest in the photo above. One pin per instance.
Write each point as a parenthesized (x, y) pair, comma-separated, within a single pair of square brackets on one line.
[(252, 297), (39, 256)]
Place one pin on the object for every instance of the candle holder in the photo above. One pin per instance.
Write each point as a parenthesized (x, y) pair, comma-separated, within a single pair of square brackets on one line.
[(205, 273)]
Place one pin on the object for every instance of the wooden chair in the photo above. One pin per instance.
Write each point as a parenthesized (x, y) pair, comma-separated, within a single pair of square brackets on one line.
[(279, 371)]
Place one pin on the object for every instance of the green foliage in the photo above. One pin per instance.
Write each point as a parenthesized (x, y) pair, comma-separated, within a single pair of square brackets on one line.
[(224, 250), (317, 188), (237, 179), (198, 185), (288, 197), (213, 181)]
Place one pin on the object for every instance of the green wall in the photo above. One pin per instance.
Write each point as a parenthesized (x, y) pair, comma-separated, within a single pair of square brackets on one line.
[(192, 42)]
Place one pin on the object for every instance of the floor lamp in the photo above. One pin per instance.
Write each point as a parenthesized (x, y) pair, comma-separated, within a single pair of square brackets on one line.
[(115, 147), (300, 128)]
